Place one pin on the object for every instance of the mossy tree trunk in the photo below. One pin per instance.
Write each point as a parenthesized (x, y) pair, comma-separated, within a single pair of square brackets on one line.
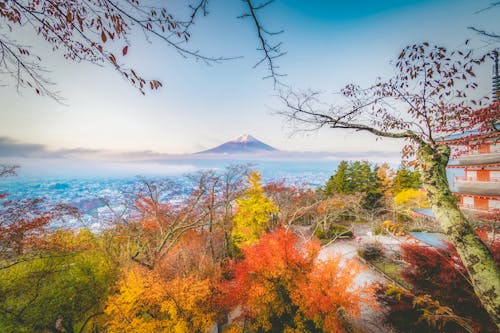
[(477, 259)]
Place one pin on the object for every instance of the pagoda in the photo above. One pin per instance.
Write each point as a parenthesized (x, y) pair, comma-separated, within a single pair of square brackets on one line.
[(479, 188)]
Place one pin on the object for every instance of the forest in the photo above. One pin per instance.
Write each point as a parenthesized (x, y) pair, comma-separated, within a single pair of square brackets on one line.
[(238, 255)]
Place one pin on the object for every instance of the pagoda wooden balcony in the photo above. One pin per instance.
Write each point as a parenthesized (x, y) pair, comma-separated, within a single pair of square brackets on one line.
[(474, 159), (469, 185)]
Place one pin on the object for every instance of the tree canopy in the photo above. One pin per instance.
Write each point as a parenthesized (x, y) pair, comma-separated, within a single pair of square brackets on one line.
[(100, 32)]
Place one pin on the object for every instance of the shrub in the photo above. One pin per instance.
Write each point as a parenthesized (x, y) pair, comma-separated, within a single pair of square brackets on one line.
[(372, 251), (333, 231), (379, 230), (414, 314)]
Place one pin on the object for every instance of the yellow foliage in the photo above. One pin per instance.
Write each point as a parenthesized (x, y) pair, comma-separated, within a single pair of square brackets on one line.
[(393, 228), (412, 198), (385, 175), (147, 303), (254, 210)]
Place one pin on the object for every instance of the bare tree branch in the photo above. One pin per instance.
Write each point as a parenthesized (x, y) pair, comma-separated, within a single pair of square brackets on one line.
[(271, 51)]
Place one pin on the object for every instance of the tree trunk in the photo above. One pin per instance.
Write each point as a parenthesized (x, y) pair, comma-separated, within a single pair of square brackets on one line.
[(477, 259)]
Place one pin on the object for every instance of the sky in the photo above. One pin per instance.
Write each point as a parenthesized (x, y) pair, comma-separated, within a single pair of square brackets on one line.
[(328, 44)]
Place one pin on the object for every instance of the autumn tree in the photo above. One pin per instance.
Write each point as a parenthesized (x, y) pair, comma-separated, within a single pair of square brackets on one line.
[(156, 223), (63, 290), (385, 177), (253, 213), (100, 32), (219, 191), (430, 95), (441, 274), (296, 204), (281, 288), (146, 302), (333, 212), (24, 225), (177, 294), (411, 198), (411, 313)]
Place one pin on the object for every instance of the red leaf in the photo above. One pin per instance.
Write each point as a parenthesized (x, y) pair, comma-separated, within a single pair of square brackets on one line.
[(103, 36), (125, 50)]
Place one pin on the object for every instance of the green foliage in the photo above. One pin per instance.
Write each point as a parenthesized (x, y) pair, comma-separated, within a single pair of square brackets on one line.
[(339, 182), (333, 231), (406, 179), (254, 211), (356, 177), (58, 289)]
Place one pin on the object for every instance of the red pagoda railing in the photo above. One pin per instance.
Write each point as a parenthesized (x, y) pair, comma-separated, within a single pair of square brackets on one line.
[(474, 179)]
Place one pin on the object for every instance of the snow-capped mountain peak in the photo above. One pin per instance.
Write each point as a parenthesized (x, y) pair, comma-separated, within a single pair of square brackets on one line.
[(244, 138), (241, 145)]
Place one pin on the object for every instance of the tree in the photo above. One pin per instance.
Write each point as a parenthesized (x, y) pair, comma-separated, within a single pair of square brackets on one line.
[(146, 302), (385, 177), (355, 178), (296, 205), (100, 31), (428, 97), (253, 213), (24, 225), (63, 290), (414, 314), (157, 224), (406, 179), (411, 198), (441, 274), (339, 181), (281, 288), (219, 193)]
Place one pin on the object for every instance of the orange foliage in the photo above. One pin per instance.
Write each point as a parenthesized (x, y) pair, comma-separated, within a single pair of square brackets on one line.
[(279, 287), (146, 302), (190, 255), (329, 292)]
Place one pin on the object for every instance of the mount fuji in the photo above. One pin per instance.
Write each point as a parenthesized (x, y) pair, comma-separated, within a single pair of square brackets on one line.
[(243, 144)]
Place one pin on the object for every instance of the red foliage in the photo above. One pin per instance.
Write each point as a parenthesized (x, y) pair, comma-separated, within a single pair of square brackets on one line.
[(441, 274), (24, 223), (274, 257)]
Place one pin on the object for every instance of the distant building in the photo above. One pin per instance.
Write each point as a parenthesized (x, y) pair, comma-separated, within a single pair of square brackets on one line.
[(479, 188)]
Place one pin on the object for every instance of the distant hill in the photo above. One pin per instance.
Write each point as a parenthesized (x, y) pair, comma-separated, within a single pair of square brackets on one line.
[(244, 144)]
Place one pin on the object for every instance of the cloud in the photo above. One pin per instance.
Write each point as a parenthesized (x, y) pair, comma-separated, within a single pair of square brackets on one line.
[(13, 148)]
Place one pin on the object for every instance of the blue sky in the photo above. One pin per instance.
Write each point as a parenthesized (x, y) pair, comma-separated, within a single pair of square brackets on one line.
[(328, 44)]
